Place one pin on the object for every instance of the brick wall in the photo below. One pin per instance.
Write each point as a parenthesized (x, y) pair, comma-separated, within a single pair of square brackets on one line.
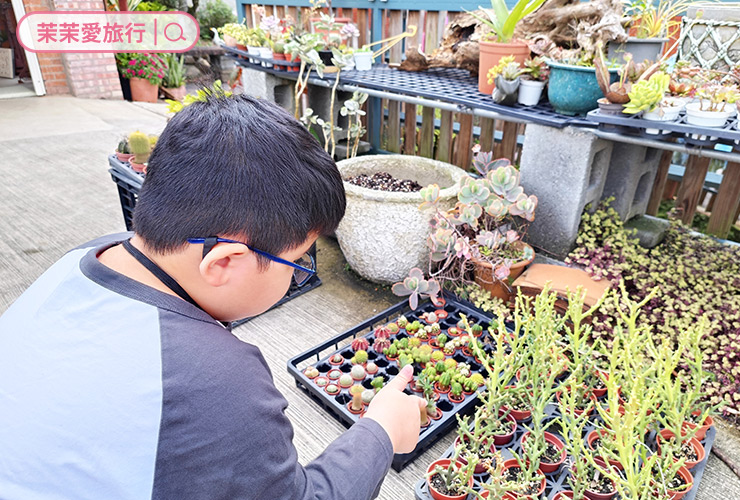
[(52, 66), (83, 75)]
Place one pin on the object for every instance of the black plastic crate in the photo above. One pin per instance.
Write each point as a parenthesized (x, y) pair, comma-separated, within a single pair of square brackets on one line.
[(129, 185), (337, 404), (557, 481)]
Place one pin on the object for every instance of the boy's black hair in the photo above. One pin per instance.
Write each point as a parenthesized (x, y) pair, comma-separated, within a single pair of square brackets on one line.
[(238, 166)]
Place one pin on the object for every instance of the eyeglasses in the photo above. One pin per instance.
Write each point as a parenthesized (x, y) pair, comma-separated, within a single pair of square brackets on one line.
[(303, 268)]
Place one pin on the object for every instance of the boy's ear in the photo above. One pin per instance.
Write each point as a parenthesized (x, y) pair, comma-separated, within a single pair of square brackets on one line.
[(219, 264)]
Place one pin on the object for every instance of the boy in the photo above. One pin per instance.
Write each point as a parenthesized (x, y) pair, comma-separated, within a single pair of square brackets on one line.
[(118, 378)]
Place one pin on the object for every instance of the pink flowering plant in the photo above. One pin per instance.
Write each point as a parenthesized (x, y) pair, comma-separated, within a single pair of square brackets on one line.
[(486, 224), (149, 67)]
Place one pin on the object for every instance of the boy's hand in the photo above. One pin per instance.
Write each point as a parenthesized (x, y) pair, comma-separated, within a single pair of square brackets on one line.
[(399, 414)]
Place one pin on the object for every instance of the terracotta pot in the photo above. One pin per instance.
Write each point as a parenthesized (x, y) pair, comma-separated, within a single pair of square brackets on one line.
[(290, 58), (688, 478), (592, 495), (665, 434), (444, 462), (229, 41), (179, 93), (491, 53), (546, 467), (603, 376), (485, 278), (279, 57), (511, 463), (241, 47), (439, 389), (143, 91), (702, 432), (124, 157), (454, 399), (591, 437)]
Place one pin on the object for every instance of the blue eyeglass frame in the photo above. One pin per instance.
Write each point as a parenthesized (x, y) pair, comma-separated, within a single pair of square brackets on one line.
[(213, 240)]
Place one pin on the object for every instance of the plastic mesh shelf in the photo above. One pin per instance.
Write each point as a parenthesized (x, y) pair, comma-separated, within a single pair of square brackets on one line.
[(449, 85)]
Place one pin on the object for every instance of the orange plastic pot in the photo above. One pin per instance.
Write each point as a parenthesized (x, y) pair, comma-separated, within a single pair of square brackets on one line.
[(665, 434), (512, 463), (592, 436), (491, 53), (546, 467), (702, 432), (444, 462), (688, 479)]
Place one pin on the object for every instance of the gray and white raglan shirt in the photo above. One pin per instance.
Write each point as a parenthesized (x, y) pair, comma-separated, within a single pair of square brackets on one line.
[(111, 390)]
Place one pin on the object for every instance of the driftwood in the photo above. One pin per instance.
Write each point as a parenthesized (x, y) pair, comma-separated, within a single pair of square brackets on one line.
[(459, 48), (563, 29), (560, 29)]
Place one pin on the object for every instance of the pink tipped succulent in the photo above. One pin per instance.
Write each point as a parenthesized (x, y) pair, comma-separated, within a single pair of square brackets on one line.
[(360, 344), (382, 333), (381, 344)]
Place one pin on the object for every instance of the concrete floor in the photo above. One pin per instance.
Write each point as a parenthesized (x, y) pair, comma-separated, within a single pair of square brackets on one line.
[(56, 193)]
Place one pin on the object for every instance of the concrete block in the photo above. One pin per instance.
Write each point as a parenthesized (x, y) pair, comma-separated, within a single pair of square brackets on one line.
[(266, 86), (566, 170), (649, 230), (630, 178)]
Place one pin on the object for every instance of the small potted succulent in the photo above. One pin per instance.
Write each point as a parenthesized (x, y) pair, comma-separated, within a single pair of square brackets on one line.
[(450, 479), (363, 58), (123, 151), (646, 97), (140, 145), (311, 372), (533, 81), (506, 76), (481, 236), (715, 105), (356, 405), (346, 380)]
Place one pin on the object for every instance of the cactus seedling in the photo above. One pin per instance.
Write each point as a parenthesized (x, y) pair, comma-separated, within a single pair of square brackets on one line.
[(346, 380), (337, 359), (360, 344), (383, 332), (402, 322), (356, 392), (123, 146), (392, 328), (371, 368), (332, 389), (445, 380), (441, 339), (367, 396), (357, 372), (437, 356), (359, 358), (380, 345), (377, 383), (311, 372), (140, 146)]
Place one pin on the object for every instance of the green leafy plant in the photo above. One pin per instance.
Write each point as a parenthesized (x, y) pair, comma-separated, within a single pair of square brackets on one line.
[(501, 21), (213, 14), (175, 74)]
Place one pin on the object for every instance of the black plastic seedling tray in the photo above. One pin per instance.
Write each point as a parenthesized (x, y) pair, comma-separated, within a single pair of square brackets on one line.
[(700, 136), (557, 481), (337, 404)]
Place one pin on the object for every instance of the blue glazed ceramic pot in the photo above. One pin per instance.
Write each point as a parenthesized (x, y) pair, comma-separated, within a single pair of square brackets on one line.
[(573, 90)]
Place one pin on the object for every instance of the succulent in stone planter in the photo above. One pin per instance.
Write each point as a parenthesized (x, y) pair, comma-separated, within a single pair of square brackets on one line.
[(480, 238)]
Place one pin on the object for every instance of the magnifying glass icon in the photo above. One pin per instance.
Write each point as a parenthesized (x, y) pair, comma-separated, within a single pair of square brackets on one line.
[(180, 37)]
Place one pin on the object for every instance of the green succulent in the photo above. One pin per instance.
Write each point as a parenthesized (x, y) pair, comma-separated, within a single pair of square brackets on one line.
[(645, 95)]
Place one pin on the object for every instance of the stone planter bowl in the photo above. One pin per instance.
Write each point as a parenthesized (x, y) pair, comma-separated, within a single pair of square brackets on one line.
[(383, 234)]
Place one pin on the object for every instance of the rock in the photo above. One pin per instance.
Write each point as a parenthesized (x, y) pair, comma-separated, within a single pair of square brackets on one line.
[(650, 230)]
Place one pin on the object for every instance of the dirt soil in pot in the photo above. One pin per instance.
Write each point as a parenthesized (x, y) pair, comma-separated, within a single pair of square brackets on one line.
[(383, 181)]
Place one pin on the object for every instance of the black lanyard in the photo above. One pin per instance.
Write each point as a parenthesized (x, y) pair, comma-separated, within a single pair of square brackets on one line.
[(157, 271)]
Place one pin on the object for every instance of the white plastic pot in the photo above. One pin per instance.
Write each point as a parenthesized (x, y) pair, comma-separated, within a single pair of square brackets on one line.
[(363, 61), (266, 53), (253, 51), (530, 92), (662, 114), (695, 116)]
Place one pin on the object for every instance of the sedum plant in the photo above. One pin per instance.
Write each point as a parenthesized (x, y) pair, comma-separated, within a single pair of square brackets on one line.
[(646, 95)]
